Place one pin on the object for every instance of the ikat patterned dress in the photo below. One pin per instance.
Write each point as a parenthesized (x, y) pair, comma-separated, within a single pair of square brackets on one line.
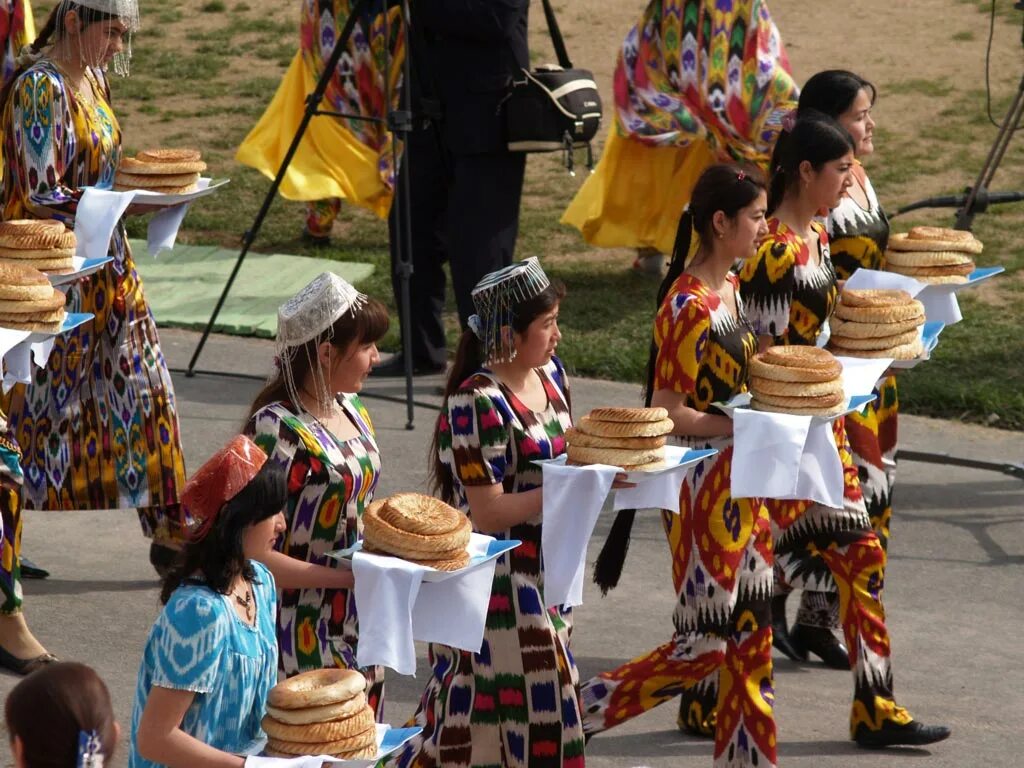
[(330, 482), (789, 296), (857, 238), (721, 555), (16, 31), (98, 425), (514, 704), (200, 644), (11, 479)]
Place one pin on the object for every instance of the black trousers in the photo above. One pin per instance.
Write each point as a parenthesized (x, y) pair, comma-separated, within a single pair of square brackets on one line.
[(464, 210)]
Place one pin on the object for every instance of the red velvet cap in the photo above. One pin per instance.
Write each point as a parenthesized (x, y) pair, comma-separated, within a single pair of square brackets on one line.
[(219, 480)]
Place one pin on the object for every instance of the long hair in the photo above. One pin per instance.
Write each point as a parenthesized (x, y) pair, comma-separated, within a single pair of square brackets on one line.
[(725, 187), (218, 557), (469, 358), (832, 92), (48, 709), (51, 32), (368, 324), (815, 138)]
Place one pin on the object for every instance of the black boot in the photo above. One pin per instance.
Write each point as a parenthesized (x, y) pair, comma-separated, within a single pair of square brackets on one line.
[(913, 734), (780, 631), (822, 643)]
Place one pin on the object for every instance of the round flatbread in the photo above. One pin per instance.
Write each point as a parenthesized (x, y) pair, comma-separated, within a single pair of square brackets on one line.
[(182, 190), (910, 351), (418, 513), (760, 368), (156, 182), (944, 271), (926, 259), (940, 233), (361, 753), (319, 732), (901, 242), (322, 714), (55, 300), (856, 330), (873, 297), (887, 342), (835, 410), (892, 314), (648, 415), (382, 536), (790, 388), (131, 165), (573, 436), (358, 741), (317, 688), (34, 327), (169, 155), (615, 457), (47, 254), (801, 356), (797, 400), (34, 235), (22, 282), (621, 429)]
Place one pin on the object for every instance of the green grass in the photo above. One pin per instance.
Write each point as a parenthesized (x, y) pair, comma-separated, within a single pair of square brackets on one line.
[(202, 79)]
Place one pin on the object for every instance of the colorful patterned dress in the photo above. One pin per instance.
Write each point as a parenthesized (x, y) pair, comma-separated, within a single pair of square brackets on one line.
[(11, 479), (721, 555), (200, 644), (695, 82), (330, 482), (17, 29), (515, 703), (338, 158), (98, 425), (858, 238), (789, 296)]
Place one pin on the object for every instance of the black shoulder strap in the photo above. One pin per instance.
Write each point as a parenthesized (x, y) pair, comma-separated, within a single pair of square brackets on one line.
[(556, 36)]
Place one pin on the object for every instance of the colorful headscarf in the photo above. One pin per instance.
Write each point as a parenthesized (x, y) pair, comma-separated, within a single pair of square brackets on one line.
[(218, 481), (714, 70)]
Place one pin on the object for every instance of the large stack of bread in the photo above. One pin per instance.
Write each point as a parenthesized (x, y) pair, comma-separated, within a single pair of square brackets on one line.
[(800, 380), (168, 171), (417, 528), (27, 300), (877, 323), (933, 254), (631, 438), (323, 712), (44, 244)]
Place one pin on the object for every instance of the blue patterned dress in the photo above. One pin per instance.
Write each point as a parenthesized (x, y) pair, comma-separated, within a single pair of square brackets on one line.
[(515, 703), (200, 644)]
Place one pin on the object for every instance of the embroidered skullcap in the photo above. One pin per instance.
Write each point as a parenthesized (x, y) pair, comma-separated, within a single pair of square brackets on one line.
[(127, 11), (219, 480), (496, 296)]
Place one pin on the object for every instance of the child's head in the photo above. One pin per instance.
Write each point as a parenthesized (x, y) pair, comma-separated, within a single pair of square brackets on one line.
[(60, 717)]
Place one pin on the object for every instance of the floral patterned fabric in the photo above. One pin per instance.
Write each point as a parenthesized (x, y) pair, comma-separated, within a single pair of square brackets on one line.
[(200, 644), (721, 556), (514, 704), (330, 482), (98, 425)]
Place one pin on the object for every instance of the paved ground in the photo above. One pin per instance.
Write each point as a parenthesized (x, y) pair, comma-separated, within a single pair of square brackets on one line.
[(957, 562)]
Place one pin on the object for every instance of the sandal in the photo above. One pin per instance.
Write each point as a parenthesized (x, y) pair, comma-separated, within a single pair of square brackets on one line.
[(25, 666)]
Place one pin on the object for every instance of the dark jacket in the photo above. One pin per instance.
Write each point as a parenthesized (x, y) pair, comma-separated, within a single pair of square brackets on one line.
[(474, 49)]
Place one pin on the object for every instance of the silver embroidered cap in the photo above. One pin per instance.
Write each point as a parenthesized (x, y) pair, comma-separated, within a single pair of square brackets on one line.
[(496, 297), (306, 316), (125, 10)]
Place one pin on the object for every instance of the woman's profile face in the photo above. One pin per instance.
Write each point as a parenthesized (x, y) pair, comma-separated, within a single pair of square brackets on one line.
[(538, 343), (98, 41), (858, 121), (261, 538), (827, 185)]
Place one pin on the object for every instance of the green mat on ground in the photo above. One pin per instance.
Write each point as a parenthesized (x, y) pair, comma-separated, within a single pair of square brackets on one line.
[(183, 285)]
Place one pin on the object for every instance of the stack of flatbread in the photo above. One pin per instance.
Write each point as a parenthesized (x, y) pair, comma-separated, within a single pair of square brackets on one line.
[(631, 438), (44, 244), (168, 171), (323, 712), (877, 323), (417, 528), (795, 379), (933, 254), (27, 300)]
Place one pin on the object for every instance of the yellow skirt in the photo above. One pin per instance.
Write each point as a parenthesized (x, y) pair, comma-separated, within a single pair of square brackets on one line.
[(637, 193), (329, 161)]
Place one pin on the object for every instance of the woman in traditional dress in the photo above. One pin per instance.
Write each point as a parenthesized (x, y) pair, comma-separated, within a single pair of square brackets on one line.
[(310, 420), (721, 547), (211, 657), (98, 425), (514, 703), (339, 158), (696, 82), (790, 291)]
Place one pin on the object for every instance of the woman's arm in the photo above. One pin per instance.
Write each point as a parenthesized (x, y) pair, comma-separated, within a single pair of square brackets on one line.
[(292, 573), (161, 740), (689, 422), (495, 511)]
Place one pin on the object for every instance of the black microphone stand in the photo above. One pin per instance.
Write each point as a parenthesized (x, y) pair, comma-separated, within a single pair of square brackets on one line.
[(399, 122)]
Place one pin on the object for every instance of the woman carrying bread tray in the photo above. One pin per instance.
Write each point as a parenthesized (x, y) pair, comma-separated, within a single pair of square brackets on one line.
[(790, 290), (309, 420), (506, 405), (211, 657), (100, 418), (721, 547)]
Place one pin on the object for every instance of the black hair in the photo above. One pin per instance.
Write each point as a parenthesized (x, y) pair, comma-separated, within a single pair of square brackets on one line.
[(815, 138), (469, 358), (48, 709), (832, 92), (726, 187), (218, 557), (52, 31)]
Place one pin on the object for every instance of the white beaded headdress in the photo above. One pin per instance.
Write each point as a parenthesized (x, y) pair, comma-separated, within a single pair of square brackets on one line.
[(306, 316), (125, 10), (496, 297)]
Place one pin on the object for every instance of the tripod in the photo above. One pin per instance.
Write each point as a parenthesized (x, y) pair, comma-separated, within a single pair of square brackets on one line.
[(399, 122), (976, 199)]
